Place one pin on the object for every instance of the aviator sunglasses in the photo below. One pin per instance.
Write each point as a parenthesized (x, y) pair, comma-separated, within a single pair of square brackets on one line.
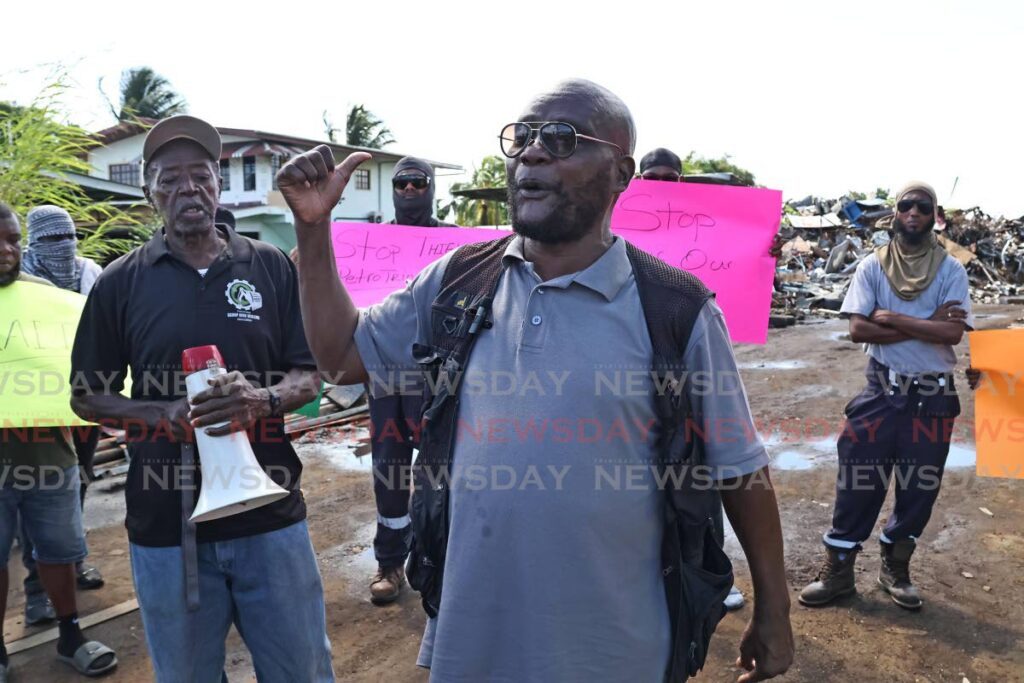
[(557, 137)]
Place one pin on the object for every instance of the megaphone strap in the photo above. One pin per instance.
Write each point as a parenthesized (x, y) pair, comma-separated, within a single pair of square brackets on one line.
[(189, 550)]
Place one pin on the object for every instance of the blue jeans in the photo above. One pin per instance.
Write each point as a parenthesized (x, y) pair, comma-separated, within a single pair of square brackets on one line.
[(48, 500), (268, 585), (85, 448)]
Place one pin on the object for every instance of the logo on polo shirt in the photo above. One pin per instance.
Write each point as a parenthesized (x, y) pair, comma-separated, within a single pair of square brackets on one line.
[(244, 297)]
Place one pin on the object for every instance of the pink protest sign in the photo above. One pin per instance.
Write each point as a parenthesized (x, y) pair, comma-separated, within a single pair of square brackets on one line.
[(375, 260), (720, 234)]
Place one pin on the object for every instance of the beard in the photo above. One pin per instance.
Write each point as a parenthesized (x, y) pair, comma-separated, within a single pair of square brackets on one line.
[(568, 220), (912, 238), (10, 276)]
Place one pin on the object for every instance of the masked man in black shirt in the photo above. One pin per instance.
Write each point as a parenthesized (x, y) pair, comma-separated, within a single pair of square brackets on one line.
[(393, 415)]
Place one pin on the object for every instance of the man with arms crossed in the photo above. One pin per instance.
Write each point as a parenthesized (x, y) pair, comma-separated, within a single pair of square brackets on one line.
[(909, 303)]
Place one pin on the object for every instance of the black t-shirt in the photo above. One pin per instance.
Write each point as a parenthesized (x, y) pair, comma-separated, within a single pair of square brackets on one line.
[(144, 310)]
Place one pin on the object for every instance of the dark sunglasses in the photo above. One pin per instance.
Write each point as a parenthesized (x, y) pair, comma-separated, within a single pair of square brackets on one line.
[(923, 205), (558, 138), (418, 181)]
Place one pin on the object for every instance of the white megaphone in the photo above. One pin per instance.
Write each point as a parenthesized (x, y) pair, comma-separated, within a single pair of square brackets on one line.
[(233, 480)]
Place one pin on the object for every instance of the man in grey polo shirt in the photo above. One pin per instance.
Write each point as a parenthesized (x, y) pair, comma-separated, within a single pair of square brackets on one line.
[(553, 563), (909, 303)]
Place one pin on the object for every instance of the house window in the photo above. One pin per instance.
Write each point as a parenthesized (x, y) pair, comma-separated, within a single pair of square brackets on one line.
[(362, 179), (275, 166), (127, 174), (225, 175), (248, 174)]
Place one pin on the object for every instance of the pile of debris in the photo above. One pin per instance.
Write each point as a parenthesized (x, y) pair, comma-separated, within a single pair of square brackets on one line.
[(825, 241), (997, 271)]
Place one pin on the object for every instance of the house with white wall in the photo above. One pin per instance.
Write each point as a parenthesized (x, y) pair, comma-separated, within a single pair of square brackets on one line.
[(249, 163)]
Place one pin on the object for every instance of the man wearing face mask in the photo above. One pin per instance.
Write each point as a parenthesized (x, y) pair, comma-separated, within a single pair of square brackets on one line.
[(412, 184), (52, 255), (390, 413), (909, 303)]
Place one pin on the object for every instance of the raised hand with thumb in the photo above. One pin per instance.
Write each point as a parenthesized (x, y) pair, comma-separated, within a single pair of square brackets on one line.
[(312, 185)]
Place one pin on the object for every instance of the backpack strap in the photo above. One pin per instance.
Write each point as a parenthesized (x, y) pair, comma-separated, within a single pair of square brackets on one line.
[(458, 313), (696, 572), (671, 300), (471, 275)]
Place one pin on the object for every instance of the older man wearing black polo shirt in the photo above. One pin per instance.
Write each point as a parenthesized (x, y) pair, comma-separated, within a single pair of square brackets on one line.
[(256, 569)]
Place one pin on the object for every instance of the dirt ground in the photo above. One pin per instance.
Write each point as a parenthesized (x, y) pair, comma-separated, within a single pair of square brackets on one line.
[(971, 626)]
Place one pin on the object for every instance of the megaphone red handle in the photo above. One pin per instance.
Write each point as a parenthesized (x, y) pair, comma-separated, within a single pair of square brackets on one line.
[(200, 358)]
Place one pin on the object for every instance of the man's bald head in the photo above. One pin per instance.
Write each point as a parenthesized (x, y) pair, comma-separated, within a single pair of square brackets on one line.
[(594, 110), (560, 199)]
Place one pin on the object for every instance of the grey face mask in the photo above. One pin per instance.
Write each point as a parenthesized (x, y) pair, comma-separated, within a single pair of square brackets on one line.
[(54, 260)]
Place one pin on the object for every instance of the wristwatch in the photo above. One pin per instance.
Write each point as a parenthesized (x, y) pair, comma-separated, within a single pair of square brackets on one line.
[(275, 403)]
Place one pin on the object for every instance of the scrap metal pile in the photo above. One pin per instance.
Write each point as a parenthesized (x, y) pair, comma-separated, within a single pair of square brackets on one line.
[(827, 239)]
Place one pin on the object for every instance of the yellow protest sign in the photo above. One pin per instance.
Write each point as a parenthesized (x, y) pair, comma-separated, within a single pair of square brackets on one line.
[(999, 402), (37, 330)]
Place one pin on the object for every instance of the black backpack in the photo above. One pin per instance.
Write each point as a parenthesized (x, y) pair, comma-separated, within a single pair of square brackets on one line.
[(697, 573)]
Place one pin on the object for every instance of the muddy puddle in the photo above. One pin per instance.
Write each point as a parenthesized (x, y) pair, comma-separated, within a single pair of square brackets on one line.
[(773, 365), (789, 455)]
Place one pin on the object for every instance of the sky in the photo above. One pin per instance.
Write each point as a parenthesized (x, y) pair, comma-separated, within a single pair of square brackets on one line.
[(812, 97)]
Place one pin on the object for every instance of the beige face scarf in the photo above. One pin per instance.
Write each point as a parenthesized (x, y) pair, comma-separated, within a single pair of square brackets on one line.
[(911, 268)]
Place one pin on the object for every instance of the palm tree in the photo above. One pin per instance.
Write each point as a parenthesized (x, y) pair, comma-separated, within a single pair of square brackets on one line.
[(329, 129), (37, 149), (364, 129), (473, 212), (147, 94)]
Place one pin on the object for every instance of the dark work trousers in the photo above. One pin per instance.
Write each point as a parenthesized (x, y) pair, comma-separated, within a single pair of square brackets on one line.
[(394, 420), (85, 440), (897, 433)]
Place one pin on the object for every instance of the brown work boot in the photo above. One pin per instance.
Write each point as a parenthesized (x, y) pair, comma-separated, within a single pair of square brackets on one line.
[(386, 585), (894, 574), (835, 578)]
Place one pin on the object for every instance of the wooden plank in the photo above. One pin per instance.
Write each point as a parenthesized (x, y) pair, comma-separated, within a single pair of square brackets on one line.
[(85, 622), (345, 396), (308, 424)]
